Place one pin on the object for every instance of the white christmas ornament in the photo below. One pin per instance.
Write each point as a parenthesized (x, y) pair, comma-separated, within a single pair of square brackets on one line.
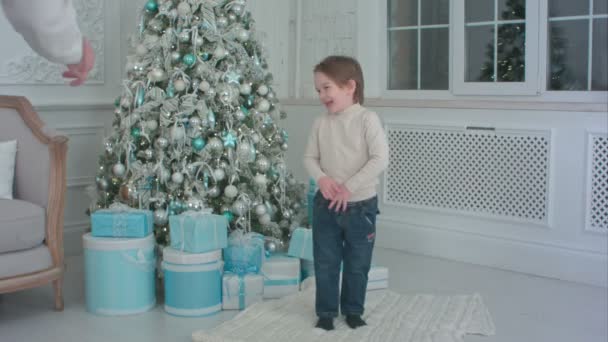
[(118, 170), (179, 85), (219, 174), (263, 90), (152, 124), (231, 191), (141, 50), (245, 89), (263, 106), (204, 86), (177, 177)]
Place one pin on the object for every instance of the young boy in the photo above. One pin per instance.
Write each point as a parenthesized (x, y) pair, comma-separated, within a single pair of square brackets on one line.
[(347, 150)]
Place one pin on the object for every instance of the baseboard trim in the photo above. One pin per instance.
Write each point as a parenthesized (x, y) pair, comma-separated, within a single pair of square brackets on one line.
[(540, 260)]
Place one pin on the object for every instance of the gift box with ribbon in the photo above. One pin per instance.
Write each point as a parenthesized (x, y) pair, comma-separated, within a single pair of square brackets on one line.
[(281, 276), (245, 252), (300, 245), (120, 220), (198, 231), (240, 291)]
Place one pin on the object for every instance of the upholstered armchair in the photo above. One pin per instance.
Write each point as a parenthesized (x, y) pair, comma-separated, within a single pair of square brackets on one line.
[(31, 224)]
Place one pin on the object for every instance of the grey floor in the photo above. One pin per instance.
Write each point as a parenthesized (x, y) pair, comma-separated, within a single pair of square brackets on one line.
[(524, 308)]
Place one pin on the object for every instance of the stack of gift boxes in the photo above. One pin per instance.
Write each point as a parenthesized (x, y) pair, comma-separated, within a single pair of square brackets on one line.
[(120, 265)]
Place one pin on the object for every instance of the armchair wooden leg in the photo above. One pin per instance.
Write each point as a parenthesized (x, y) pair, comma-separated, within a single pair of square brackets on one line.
[(58, 289)]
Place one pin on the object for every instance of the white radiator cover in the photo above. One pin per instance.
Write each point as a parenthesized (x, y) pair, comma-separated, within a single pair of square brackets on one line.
[(476, 171)]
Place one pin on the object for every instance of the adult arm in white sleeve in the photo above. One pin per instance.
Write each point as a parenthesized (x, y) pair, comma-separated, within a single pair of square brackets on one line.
[(48, 26)]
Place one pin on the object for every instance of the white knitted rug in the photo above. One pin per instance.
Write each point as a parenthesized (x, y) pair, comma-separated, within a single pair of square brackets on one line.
[(390, 317)]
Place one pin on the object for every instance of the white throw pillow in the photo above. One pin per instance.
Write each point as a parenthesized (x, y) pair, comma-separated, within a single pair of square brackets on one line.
[(8, 150)]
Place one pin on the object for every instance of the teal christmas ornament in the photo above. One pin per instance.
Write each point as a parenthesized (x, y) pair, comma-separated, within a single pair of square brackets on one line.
[(228, 215), (245, 110), (249, 102), (198, 143), (229, 139), (117, 102), (140, 97), (211, 119), (189, 59), (135, 132), (205, 56), (170, 89), (151, 6)]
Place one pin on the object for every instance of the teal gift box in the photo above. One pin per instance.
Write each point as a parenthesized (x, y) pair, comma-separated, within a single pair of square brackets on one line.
[(122, 221), (300, 245), (198, 231), (245, 253)]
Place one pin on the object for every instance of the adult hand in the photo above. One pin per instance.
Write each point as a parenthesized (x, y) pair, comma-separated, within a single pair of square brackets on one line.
[(340, 201), (328, 187), (81, 70)]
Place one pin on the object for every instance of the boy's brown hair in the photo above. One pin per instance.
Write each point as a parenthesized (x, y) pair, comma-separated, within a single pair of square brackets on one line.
[(341, 69)]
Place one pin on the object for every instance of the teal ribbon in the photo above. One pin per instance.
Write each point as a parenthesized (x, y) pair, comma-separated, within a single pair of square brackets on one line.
[(241, 292), (280, 282)]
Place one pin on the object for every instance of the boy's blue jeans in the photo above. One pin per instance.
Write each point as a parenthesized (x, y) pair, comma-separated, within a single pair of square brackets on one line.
[(345, 237)]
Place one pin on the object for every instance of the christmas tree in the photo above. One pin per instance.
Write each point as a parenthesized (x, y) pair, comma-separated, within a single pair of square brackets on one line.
[(196, 124), (510, 47)]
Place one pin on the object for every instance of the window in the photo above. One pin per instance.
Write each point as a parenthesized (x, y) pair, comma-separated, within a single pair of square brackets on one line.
[(493, 47), (418, 40), (499, 49), (577, 38)]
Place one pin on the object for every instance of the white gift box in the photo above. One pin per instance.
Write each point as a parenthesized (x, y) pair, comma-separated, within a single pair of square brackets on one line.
[(281, 276), (239, 292), (377, 278)]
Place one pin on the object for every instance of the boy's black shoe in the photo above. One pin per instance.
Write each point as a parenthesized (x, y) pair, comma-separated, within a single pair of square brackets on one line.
[(326, 323), (355, 321)]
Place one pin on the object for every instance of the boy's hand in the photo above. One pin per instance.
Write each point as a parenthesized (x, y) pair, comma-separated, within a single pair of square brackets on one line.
[(328, 186), (340, 201)]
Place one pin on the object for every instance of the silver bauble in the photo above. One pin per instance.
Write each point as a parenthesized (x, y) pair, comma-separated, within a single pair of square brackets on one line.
[(239, 208), (184, 37), (284, 146), (215, 145), (245, 89), (195, 121), (270, 246), (237, 9), (260, 180), (152, 124), (263, 105), (148, 154), (219, 52), (176, 56), (231, 191), (242, 35), (162, 143), (204, 86), (260, 209), (221, 21), (179, 85), (262, 163), (286, 214), (263, 90), (118, 170), (239, 115), (219, 174), (177, 177), (102, 184)]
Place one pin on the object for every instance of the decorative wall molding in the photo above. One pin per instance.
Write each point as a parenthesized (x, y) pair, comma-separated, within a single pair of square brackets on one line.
[(72, 106), (29, 68), (80, 182), (80, 129)]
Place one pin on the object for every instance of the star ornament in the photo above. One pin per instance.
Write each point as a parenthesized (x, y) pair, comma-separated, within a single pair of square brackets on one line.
[(232, 77), (229, 139)]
